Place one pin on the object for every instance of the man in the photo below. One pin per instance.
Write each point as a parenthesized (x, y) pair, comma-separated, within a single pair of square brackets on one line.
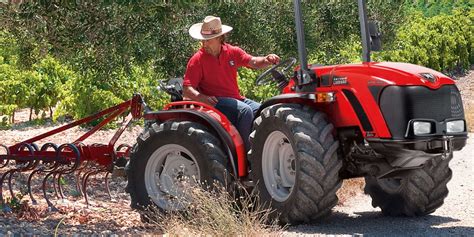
[(211, 74)]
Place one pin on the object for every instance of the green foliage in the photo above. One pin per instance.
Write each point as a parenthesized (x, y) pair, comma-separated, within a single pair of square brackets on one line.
[(84, 57), (248, 88), (436, 7), (14, 91), (442, 42)]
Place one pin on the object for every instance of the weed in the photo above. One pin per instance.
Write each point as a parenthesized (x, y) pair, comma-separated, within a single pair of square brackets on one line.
[(216, 213)]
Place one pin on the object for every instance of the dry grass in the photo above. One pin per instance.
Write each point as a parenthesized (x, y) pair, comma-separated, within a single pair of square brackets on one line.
[(349, 189), (217, 213), (469, 113)]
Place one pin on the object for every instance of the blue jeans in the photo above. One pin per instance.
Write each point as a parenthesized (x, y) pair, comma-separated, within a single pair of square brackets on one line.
[(240, 113)]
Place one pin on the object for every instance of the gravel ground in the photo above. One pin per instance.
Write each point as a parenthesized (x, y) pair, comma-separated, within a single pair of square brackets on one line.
[(454, 218), (354, 216)]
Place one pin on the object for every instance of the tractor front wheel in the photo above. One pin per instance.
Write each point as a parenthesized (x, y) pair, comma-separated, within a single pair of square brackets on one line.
[(416, 193), (294, 163)]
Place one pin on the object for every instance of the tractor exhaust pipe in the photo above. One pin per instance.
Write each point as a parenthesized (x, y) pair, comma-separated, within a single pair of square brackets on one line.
[(364, 31), (303, 74)]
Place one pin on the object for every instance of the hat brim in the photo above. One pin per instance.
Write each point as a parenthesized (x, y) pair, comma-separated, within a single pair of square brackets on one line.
[(195, 32)]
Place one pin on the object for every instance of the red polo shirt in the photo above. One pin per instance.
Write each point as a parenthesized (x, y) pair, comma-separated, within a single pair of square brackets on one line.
[(216, 76)]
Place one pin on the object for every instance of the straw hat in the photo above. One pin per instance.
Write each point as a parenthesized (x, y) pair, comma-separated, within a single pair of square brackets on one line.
[(210, 28)]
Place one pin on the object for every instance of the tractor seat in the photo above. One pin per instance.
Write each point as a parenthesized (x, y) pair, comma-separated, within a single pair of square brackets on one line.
[(174, 87)]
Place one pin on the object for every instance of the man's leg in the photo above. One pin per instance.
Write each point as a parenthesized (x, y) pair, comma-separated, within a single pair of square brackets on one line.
[(239, 114), (254, 105)]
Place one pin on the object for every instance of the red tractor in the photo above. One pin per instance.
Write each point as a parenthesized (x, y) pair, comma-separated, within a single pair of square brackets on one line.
[(396, 124)]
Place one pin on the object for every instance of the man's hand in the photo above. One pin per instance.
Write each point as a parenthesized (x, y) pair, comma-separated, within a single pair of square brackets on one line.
[(192, 94), (263, 62), (272, 59), (210, 100)]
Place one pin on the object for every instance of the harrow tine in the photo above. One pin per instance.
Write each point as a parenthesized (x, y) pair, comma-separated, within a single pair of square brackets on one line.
[(43, 168), (6, 208), (4, 161), (30, 177), (60, 189), (50, 204), (10, 182), (54, 185), (107, 187), (67, 170), (78, 181), (28, 166), (84, 183)]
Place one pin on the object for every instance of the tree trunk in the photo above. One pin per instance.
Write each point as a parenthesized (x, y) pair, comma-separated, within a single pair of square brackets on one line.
[(31, 113), (13, 117), (51, 113)]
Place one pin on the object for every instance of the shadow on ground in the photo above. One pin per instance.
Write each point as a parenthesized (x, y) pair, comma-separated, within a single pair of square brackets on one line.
[(375, 224)]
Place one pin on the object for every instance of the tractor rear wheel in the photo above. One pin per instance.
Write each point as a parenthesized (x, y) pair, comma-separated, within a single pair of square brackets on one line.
[(294, 163), (169, 159), (417, 193)]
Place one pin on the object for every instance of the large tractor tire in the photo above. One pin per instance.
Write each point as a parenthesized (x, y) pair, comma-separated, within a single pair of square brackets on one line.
[(417, 193), (169, 159), (294, 163)]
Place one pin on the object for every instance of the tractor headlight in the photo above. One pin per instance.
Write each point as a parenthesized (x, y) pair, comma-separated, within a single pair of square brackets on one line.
[(422, 128), (455, 126)]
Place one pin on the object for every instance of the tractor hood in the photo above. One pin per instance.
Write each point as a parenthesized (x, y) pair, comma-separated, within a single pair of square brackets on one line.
[(390, 73)]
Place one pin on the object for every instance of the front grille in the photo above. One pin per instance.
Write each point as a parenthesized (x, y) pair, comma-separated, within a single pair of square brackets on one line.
[(400, 104)]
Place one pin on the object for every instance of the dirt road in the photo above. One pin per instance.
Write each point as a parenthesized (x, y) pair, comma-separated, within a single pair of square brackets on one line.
[(455, 217)]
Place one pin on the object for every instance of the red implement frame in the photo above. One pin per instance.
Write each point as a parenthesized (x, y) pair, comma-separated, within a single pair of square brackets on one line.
[(55, 161)]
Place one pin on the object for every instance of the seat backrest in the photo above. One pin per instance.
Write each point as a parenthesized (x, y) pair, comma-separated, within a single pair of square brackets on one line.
[(174, 87)]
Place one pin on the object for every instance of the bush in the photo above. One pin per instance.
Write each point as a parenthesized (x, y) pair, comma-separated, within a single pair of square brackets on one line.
[(246, 81), (442, 42)]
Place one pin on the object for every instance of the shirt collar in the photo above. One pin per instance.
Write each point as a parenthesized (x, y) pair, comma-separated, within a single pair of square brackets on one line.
[(224, 48)]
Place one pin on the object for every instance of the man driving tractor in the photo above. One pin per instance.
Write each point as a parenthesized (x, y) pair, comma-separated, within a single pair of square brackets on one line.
[(211, 74)]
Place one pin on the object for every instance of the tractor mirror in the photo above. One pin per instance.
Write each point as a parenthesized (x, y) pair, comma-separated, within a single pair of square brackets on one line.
[(375, 36)]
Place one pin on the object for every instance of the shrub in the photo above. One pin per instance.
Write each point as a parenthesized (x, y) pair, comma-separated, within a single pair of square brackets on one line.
[(442, 42), (246, 81)]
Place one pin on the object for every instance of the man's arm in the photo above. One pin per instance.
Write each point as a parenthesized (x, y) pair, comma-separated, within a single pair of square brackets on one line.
[(263, 62), (192, 94)]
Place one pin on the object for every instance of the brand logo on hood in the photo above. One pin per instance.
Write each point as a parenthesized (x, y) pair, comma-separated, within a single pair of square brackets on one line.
[(429, 77)]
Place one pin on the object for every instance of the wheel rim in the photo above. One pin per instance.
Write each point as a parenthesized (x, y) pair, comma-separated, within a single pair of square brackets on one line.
[(278, 166), (170, 172)]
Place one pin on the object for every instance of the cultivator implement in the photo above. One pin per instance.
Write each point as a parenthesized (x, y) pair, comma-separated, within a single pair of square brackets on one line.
[(76, 158)]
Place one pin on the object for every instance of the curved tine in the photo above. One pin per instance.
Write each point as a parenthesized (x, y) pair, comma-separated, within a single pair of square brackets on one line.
[(54, 184), (33, 200), (121, 146), (43, 168), (76, 162), (5, 207), (107, 187), (84, 184), (77, 177), (50, 204), (29, 165), (49, 145), (60, 188), (4, 162), (50, 165), (35, 146), (85, 165)]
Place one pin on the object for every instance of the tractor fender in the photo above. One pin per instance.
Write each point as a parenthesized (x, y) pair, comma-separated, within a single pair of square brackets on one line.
[(289, 98), (214, 127)]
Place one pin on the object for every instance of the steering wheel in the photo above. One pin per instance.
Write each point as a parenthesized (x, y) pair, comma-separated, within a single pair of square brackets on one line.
[(277, 75)]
